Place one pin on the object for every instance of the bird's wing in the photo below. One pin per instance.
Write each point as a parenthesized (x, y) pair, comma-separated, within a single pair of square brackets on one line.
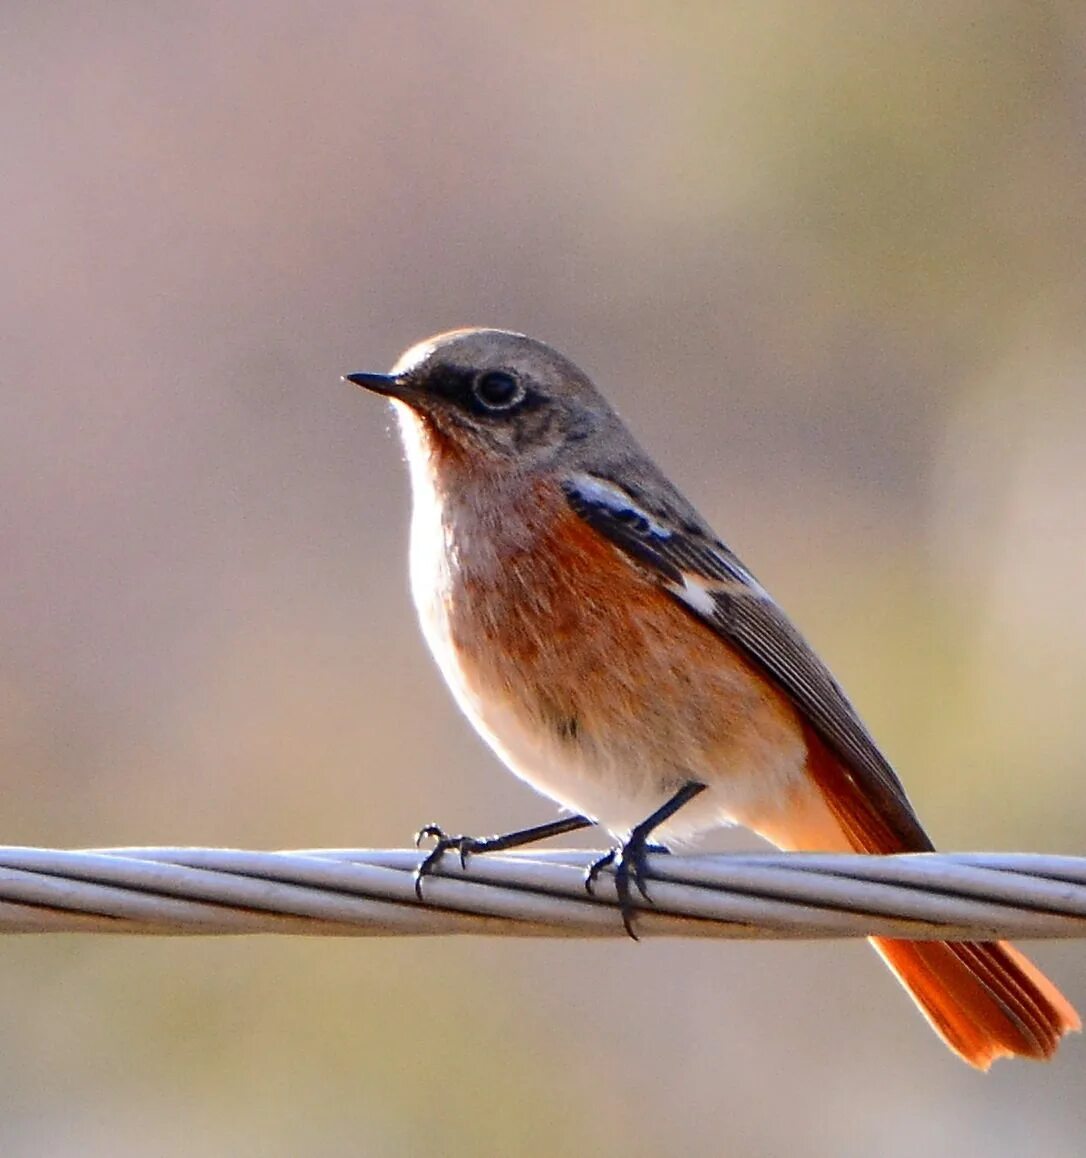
[(703, 575)]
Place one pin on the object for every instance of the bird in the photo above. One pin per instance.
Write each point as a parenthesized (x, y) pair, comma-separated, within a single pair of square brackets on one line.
[(618, 657)]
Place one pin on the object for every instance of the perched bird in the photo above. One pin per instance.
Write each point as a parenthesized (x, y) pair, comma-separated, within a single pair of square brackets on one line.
[(620, 658)]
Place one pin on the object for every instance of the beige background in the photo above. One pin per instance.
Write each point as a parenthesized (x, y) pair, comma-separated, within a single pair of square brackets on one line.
[(827, 259)]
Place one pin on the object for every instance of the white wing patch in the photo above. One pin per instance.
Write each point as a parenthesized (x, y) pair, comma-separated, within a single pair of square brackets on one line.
[(613, 498), (700, 594), (694, 594)]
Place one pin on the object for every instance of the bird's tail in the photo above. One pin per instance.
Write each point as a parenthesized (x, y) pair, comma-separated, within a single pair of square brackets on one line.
[(984, 999)]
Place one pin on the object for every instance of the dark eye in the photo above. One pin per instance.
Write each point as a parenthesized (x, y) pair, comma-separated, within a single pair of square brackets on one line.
[(497, 390)]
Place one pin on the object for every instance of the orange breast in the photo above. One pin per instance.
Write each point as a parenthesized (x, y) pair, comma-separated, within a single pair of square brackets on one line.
[(587, 650)]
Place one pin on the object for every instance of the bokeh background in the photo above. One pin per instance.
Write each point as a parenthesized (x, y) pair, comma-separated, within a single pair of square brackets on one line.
[(827, 259)]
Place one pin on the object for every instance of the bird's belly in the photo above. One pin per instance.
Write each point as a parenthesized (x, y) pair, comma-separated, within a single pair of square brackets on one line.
[(602, 693)]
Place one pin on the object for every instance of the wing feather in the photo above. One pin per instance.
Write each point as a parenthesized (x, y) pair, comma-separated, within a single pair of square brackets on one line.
[(699, 571)]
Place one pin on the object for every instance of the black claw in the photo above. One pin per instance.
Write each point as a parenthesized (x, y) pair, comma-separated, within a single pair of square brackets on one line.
[(595, 868), (463, 845), (629, 864), (427, 831), (629, 858)]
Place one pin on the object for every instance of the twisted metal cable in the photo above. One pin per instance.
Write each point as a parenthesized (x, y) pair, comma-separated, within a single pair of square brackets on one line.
[(353, 892)]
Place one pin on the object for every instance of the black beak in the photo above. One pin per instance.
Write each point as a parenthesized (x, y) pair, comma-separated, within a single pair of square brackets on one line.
[(387, 384)]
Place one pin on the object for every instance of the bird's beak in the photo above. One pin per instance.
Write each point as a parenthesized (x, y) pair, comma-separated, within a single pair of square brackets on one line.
[(388, 384)]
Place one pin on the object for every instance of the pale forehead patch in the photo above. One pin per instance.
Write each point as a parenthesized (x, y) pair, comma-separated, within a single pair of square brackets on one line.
[(479, 342), (415, 356)]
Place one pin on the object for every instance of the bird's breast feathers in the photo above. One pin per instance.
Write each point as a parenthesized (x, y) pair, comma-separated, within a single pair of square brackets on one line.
[(590, 681)]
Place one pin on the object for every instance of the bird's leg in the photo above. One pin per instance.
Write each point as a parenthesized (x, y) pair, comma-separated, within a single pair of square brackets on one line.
[(629, 858), (469, 845)]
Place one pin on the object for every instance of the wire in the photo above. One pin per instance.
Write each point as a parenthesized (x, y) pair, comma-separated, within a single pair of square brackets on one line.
[(352, 892)]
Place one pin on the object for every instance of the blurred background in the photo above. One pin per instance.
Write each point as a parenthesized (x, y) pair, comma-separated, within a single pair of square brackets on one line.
[(828, 261)]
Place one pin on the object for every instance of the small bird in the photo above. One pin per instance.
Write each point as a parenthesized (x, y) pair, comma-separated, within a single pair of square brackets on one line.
[(617, 656)]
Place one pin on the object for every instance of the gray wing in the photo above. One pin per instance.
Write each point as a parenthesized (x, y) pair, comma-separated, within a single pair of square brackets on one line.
[(701, 573)]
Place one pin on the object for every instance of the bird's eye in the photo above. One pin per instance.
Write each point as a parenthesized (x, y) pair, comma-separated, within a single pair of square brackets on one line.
[(497, 390)]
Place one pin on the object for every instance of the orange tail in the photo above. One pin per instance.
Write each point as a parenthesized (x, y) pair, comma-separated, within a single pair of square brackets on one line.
[(984, 999)]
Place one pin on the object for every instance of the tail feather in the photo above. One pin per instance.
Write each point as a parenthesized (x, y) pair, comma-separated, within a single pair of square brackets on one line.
[(984, 999)]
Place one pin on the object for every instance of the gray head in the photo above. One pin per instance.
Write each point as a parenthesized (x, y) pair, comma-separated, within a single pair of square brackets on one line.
[(496, 395)]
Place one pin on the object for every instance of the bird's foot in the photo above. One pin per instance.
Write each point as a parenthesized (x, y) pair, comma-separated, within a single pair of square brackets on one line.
[(466, 846), (463, 846), (628, 861)]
